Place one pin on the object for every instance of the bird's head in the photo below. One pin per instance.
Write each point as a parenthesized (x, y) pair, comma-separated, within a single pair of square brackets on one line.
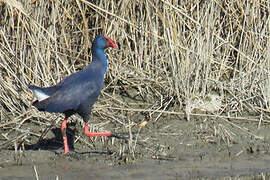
[(102, 41)]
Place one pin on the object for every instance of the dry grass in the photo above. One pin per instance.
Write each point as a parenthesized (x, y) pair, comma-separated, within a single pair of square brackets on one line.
[(171, 54)]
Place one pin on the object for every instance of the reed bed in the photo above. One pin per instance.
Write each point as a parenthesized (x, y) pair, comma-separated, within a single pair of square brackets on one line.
[(173, 54)]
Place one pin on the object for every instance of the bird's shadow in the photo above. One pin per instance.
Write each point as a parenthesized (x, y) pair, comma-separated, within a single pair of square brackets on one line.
[(53, 144)]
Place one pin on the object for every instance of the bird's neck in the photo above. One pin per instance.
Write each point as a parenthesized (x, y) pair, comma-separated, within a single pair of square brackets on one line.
[(100, 57)]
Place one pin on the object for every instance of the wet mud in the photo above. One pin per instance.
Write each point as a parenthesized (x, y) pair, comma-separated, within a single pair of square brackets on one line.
[(170, 148)]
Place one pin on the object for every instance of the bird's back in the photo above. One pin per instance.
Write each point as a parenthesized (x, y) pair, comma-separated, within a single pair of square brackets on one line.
[(79, 89)]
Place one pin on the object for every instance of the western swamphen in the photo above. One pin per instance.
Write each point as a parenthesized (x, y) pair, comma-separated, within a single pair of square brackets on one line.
[(78, 92)]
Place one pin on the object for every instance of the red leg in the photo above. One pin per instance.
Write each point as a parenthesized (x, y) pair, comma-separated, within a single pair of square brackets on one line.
[(64, 134), (88, 133)]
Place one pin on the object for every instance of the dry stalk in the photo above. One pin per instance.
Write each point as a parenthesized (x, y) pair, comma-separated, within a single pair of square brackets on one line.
[(170, 53)]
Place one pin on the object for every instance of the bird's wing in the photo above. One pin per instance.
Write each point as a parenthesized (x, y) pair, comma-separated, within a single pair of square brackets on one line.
[(81, 88), (71, 96)]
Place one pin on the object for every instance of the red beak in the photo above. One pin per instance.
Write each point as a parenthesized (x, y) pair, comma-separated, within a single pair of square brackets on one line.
[(111, 43)]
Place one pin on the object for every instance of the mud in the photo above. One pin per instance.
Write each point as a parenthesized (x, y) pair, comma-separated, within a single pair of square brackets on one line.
[(170, 148)]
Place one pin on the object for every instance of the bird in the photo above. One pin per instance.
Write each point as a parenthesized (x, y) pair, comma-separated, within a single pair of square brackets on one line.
[(78, 92)]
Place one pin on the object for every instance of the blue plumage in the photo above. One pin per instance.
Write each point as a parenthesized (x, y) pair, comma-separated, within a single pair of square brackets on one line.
[(78, 92)]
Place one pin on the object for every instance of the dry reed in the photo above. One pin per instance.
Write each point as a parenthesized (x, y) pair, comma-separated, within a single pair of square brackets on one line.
[(172, 52)]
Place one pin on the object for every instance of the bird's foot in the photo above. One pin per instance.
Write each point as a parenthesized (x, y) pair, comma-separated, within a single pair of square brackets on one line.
[(87, 133), (65, 153), (69, 155), (90, 134)]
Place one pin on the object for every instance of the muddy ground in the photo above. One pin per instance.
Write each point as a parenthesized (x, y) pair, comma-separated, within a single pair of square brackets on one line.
[(170, 148)]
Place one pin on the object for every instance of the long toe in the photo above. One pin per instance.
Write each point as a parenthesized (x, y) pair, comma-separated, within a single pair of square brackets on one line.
[(98, 134), (90, 134)]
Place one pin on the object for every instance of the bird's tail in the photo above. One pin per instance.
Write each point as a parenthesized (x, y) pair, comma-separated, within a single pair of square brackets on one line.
[(39, 92), (40, 95)]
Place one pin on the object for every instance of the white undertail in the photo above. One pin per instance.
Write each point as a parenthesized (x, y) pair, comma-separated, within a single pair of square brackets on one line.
[(40, 95)]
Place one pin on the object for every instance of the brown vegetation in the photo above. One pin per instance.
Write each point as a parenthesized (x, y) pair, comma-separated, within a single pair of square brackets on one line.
[(173, 53)]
